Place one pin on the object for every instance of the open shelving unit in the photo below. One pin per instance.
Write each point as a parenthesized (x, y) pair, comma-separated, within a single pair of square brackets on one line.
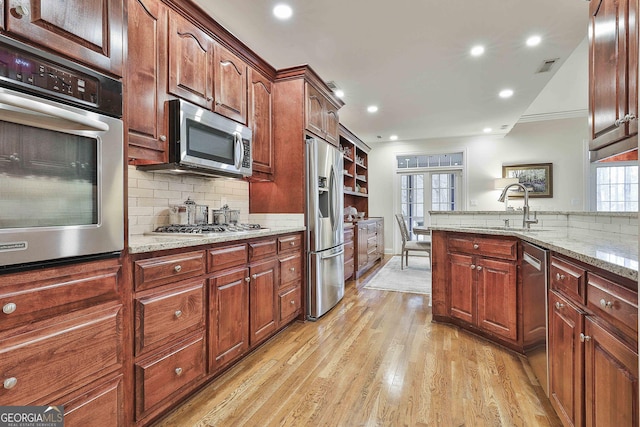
[(356, 176)]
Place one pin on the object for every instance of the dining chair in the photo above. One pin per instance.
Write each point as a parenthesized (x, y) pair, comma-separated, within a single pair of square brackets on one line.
[(410, 245)]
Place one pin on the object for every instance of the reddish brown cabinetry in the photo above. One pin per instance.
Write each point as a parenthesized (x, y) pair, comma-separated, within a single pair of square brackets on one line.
[(356, 174), (230, 74), (290, 253), (613, 59), (261, 123), (321, 115), (91, 32), (263, 270)]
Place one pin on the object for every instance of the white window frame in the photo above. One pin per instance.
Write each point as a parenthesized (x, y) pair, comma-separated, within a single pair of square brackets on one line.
[(592, 181)]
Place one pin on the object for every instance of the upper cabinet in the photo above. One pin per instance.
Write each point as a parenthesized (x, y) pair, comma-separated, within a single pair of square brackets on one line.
[(613, 70), (261, 123), (321, 115), (190, 62), (88, 31), (230, 85)]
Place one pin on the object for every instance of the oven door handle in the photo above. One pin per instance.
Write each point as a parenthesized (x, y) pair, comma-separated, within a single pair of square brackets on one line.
[(52, 111)]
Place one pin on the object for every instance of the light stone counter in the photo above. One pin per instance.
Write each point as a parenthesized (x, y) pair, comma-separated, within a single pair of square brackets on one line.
[(141, 243), (617, 254)]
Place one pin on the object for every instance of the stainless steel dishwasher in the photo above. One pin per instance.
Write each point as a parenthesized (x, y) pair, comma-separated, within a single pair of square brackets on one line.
[(534, 310)]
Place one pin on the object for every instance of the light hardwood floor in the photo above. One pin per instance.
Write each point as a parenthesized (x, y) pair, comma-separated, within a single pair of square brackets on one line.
[(374, 360)]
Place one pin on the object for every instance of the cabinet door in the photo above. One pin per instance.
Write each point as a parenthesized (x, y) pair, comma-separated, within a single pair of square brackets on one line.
[(104, 402), (612, 37), (611, 379), (566, 353), (230, 85), (263, 300), (380, 236), (332, 125), (260, 121), (461, 287), (314, 111), (229, 317), (90, 31), (361, 239), (190, 62), (497, 297), (147, 70)]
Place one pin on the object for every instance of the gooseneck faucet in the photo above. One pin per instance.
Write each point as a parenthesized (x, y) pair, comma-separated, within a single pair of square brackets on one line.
[(526, 221)]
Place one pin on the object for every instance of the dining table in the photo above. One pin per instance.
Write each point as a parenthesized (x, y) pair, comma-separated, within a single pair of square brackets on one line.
[(421, 230)]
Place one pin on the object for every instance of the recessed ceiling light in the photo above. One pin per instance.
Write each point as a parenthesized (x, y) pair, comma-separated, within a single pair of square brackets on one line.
[(339, 93), (487, 130), (282, 11), (534, 40), (372, 108), (393, 137), (506, 93), (477, 50)]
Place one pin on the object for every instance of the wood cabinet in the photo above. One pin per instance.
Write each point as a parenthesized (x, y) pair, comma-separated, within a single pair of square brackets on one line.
[(230, 85), (147, 75), (91, 32), (349, 251), (367, 252), (593, 347), (62, 339), (321, 115), (261, 123), (613, 70), (290, 257), (356, 174), (482, 277), (262, 299)]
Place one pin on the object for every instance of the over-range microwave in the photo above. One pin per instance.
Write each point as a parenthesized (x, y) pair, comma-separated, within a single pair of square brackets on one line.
[(61, 160), (202, 142)]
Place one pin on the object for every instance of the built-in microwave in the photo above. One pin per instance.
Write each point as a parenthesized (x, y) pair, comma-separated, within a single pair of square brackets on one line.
[(61, 159), (204, 143)]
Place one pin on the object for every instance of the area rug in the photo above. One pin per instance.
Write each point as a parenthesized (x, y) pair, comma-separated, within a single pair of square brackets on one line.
[(415, 278)]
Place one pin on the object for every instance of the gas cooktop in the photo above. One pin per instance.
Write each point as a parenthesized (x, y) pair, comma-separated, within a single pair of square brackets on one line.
[(201, 229)]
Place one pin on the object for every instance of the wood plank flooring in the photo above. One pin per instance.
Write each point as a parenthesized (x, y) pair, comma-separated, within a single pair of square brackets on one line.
[(374, 360)]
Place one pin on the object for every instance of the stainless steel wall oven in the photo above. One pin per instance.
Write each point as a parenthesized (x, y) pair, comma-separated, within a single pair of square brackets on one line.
[(61, 158)]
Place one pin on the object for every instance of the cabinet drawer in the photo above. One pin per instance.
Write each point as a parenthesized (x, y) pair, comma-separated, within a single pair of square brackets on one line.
[(162, 315), (289, 243), (32, 296), (262, 249), (568, 279), (348, 234), (372, 228), (60, 354), (372, 242), (613, 303), (349, 268), (163, 375), (289, 304), (496, 248), (227, 257), (349, 250), (165, 269), (290, 269), (102, 402)]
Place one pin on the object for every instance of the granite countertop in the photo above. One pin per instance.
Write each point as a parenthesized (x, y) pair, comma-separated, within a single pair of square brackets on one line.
[(141, 243), (618, 255)]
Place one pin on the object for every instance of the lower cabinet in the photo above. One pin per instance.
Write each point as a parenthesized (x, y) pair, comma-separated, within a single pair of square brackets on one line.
[(262, 300), (349, 252), (369, 244)]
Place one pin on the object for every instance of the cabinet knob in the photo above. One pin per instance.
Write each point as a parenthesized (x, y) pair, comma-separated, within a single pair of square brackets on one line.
[(479, 268), (560, 276), (476, 246), (163, 138), (559, 305), (9, 308), (606, 304), (292, 269), (293, 302), (584, 338), (254, 277), (178, 371), (22, 10), (10, 383), (247, 279), (177, 268), (292, 243), (473, 266), (618, 122), (178, 313), (15, 158)]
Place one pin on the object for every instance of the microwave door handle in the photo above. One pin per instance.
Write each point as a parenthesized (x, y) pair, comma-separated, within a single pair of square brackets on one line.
[(52, 111), (238, 151)]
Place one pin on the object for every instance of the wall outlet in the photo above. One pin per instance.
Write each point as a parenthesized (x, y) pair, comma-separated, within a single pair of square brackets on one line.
[(473, 202)]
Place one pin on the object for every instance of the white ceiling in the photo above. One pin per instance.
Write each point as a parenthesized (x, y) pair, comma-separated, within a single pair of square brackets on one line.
[(411, 57)]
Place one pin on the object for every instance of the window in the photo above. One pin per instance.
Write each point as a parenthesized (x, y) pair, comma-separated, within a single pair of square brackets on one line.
[(616, 186)]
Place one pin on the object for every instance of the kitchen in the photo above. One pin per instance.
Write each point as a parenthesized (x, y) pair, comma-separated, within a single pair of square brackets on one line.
[(159, 30)]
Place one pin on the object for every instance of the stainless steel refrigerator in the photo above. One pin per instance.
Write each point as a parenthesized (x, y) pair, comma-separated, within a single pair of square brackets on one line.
[(325, 229)]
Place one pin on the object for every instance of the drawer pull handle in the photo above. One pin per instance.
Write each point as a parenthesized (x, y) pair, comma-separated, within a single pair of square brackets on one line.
[(559, 305), (247, 279), (473, 266), (293, 269), (9, 308), (606, 304), (10, 383), (178, 313), (479, 268), (476, 246), (293, 302), (292, 243), (178, 371), (254, 277), (178, 268), (584, 338), (560, 276)]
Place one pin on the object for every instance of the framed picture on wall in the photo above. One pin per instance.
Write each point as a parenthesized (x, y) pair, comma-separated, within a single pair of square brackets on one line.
[(537, 177)]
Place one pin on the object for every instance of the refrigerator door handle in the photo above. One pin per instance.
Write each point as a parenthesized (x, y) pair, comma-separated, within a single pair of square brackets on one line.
[(333, 255), (333, 184)]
